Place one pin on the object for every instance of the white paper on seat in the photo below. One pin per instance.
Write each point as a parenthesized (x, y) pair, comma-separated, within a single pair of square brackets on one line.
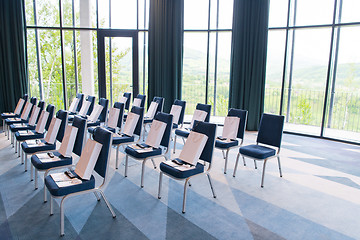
[(40, 126), (95, 113), (198, 116), (44, 158), (19, 105), (130, 124), (193, 147), (152, 110), (74, 105), (26, 112), (34, 115), (62, 180), (231, 126), (175, 111), (123, 100), (84, 108), (68, 141), (113, 117), (156, 133), (53, 130), (17, 125), (137, 102), (88, 159)]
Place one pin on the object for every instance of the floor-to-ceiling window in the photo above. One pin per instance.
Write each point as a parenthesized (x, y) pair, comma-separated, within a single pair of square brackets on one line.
[(313, 66), (62, 47)]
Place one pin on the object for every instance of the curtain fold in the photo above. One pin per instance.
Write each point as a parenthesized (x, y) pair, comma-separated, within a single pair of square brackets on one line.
[(166, 25), (13, 71), (248, 58)]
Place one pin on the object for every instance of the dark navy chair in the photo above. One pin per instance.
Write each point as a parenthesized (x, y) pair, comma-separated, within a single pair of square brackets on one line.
[(155, 152), (79, 96), (268, 140), (102, 118), (142, 103), (90, 99), (120, 106), (209, 129), (235, 143), (104, 137), (182, 104), (183, 133), (148, 121), (127, 103), (61, 161), (123, 139)]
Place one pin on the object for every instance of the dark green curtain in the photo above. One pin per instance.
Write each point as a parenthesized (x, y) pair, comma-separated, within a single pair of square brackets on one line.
[(248, 58), (13, 73), (166, 25)]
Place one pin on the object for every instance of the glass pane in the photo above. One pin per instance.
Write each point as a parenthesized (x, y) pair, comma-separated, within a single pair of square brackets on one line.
[(194, 70), (274, 70), (211, 72), (103, 11), (278, 13), (305, 95), (123, 14), (344, 101), (310, 12), (70, 66), (225, 14), (32, 64), (144, 14), (213, 13), (67, 13), (29, 12), (143, 63), (85, 13), (196, 14), (48, 13), (350, 11)]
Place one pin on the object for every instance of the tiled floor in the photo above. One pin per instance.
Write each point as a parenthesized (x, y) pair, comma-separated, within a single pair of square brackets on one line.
[(317, 198)]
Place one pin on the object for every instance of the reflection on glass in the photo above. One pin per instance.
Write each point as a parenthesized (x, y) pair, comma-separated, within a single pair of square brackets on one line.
[(350, 11), (310, 12), (278, 13), (123, 14), (196, 14)]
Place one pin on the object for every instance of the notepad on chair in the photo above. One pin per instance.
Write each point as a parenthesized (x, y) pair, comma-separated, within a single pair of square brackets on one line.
[(156, 133), (231, 126), (74, 105), (88, 159), (131, 122), (113, 117), (19, 106), (68, 141), (198, 116), (193, 147), (175, 111)]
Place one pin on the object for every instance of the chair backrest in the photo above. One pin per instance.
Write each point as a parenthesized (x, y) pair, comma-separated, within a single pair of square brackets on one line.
[(103, 136), (33, 101), (63, 116), (80, 124), (205, 108), (140, 112), (127, 103), (105, 103), (166, 118), (143, 98), (92, 100), (120, 106), (25, 97), (80, 96), (209, 129), (182, 113), (160, 101), (41, 105), (271, 130), (51, 109), (242, 114)]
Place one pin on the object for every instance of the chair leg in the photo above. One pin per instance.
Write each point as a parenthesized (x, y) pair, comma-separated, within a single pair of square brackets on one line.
[(31, 171), (45, 192), (226, 160), (25, 162), (255, 164), (184, 197), (279, 166), (160, 184), (142, 173), (22, 157), (236, 163), (15, 144), (117, 157), (36, 178), (3, 128), (223, 154), (243, 160), (212, 188), (152, 160), (107, 203), (97, 196), (62, 231), (174, 144), (51, 206), (126, 164), (189, 183), (263, 174), (19, 149)]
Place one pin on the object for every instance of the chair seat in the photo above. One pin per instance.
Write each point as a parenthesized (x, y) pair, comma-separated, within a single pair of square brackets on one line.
[(5, 116), (181, 174), (257, 151), (182, 133), (61, 161), (175, 126), (93, 124), (35, 135), (9, 121), (133, 153), (123, 139), (147, 120), (29, 149), (71, 118), (55, 190), (226, 145), (14, 128), (92, 129)]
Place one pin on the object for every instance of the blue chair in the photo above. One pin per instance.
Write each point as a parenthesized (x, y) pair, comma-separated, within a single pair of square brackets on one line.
[(61, 161), (185, 133), (102, 118), (124, 139), (209, 129), (90, 99), (155, 152), (120, 106), (127, 103), (148, 121), (79, 96), (104, 137), (142, 103), (182, 104), (236, 143), (268, 140)]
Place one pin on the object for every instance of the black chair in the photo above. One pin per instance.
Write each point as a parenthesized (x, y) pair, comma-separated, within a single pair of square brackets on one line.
[(79, 96), (184, 133), (127, 103), (268, 140), (103, 137), (235, 143), (182, 104), (155, 152), (142, 103), (102, 118), (120, 106), (209, 129), (90, 99)]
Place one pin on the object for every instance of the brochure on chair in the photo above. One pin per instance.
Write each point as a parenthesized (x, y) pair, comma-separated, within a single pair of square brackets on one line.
[(53, 130), (44, 157), (141, 148), (231, 126), (130, 124), (84, 108), (40, 126), (179, 166), (34, 115), (152, 110), (193, 147), (19, 106), (88, 159), (62, 180), (156, 134), (17, 125), (198, 116), (175, 111), (123, 100), (74, 105), (95, 113), (25, 132), (137, 102), (113, 117), (34, 142), (68, 141), (26, 112)]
